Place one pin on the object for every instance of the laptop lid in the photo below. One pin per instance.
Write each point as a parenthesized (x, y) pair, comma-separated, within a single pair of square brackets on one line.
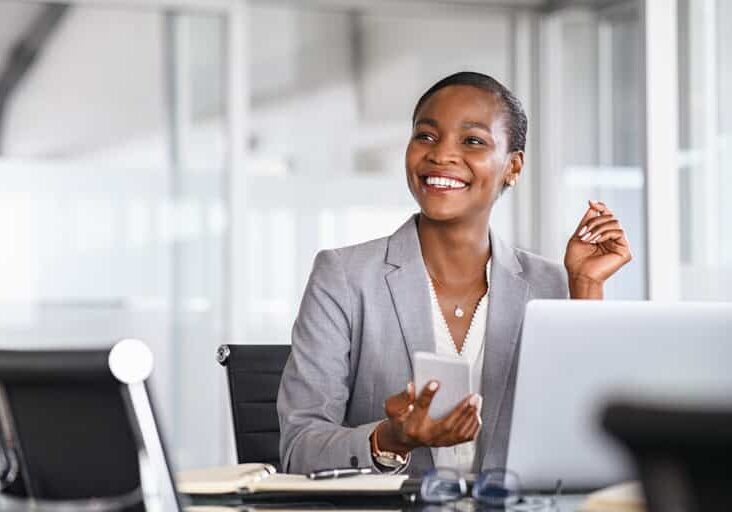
[(575, 356)]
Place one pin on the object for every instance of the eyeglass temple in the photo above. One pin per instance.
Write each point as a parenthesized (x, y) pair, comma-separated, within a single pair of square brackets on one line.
[(558, 488)]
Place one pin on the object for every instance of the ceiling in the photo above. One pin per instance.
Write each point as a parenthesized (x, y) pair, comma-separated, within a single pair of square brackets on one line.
[(14, 19), (543, 5), (16, 15)]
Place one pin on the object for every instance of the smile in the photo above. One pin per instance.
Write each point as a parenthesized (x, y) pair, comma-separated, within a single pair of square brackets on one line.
[(443, 183)]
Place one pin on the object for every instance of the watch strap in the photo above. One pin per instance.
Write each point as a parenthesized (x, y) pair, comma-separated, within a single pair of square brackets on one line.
[(388, 460)]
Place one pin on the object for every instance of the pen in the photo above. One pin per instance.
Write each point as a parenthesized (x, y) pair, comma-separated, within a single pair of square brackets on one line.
[(338, 473)]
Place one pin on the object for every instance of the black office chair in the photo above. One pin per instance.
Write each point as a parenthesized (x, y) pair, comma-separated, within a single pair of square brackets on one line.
[(254, 373), (682, 455), (70, 431)]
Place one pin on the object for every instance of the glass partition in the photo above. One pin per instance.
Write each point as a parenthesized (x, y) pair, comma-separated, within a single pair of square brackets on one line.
[(113, 201), (705, 144), (331, 97), (592, 129)]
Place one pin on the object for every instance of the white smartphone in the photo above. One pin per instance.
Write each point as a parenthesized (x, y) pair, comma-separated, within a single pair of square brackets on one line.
[(452, 373)]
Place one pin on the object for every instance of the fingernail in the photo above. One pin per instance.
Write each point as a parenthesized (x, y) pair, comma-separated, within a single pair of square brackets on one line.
[(595, 239), (410, 408), (410, 387), (582, 231), (474, 400), (587, 236), (432, 386)]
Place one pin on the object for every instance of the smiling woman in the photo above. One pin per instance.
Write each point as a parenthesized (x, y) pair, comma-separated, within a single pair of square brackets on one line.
[(444, 283)]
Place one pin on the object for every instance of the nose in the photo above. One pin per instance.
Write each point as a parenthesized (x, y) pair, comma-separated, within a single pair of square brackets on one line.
[(443, 153)]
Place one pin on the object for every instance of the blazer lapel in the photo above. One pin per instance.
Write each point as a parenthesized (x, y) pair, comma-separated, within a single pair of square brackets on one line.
[(409, 291), (506, 304)]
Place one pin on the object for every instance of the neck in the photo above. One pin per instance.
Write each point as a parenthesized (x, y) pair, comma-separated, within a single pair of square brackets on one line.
[(454, 252)]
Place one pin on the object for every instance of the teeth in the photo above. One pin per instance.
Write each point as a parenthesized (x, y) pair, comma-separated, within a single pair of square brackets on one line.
[(440, 182)]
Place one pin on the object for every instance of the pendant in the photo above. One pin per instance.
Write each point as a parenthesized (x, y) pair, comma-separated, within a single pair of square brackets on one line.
[(459, 312)]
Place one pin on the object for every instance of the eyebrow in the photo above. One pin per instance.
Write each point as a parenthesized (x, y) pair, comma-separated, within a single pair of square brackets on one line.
[(466, 125), (476, 124), (426, 120)]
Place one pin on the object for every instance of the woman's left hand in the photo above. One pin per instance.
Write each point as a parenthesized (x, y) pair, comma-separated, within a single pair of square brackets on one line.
[(596, 250)]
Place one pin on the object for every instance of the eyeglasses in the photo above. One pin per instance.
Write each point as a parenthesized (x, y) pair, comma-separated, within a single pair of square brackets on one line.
[(500, 488)]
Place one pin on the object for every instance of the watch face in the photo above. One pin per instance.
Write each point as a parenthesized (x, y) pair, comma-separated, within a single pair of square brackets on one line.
[(390, 460)]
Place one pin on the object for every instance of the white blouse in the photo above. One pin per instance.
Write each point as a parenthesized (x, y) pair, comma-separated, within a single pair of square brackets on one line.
[(461, 456)]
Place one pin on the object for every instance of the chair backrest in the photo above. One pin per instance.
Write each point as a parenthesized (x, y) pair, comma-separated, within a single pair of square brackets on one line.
[(254, 373), (74, 423), (682, 453)]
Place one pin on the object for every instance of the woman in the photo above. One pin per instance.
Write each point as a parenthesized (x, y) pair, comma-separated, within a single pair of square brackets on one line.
[(444, 283)]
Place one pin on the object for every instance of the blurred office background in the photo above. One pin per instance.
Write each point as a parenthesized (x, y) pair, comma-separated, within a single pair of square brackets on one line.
[(169, 168)]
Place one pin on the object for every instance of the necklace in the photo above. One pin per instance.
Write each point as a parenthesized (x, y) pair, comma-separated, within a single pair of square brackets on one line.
[(459, 311)]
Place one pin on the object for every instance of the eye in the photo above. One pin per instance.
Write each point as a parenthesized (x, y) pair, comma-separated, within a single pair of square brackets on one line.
[(425, 137), (474, 141)]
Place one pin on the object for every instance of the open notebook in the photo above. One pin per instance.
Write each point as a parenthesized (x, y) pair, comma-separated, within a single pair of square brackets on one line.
[(263, 478), (624, 497)]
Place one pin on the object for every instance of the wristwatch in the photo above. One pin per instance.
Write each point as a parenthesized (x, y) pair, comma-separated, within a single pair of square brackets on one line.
[(391, 461)]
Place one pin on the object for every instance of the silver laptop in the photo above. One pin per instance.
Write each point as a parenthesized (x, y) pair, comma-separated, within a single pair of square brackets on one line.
[(577, 355)]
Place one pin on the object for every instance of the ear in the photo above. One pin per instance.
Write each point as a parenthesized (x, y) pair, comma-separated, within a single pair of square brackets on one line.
[(514, 167)]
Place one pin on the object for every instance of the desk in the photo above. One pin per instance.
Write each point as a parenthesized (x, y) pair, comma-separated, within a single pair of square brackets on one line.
[(569, 503)]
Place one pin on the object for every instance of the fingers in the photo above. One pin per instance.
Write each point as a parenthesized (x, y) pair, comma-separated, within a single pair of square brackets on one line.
[(459, 413), (600, 220), (614, 240), (423, 401), (398, 405), (469, 419), (599, 225), (598, 207), (595, 209), (469, 428), (604, 227), (461, 424), (589, 214), (610, 230), (617, 235)]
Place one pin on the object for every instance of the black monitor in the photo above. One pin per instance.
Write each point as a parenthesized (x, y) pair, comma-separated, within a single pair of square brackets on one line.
[(78, 426)]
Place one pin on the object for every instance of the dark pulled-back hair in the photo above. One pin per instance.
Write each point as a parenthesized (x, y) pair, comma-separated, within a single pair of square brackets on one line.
[(517, 121)]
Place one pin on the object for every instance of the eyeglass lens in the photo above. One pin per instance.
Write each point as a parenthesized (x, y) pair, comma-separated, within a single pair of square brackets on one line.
[(441, 485), (497, 487)]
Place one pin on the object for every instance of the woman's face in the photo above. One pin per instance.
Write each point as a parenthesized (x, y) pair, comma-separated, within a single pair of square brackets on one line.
[(457, 159)]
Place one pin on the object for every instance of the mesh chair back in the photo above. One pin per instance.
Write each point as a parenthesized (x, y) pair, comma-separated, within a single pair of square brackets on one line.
[(254, 373)]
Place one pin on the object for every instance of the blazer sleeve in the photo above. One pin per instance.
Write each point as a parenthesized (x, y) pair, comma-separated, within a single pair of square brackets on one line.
[(315, 387)]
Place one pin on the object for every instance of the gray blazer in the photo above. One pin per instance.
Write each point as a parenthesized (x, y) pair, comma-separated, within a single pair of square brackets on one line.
[(365, 311)]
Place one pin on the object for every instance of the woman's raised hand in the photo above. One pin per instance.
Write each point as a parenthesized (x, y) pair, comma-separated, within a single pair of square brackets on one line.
[(596, 250), (410, 426)]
